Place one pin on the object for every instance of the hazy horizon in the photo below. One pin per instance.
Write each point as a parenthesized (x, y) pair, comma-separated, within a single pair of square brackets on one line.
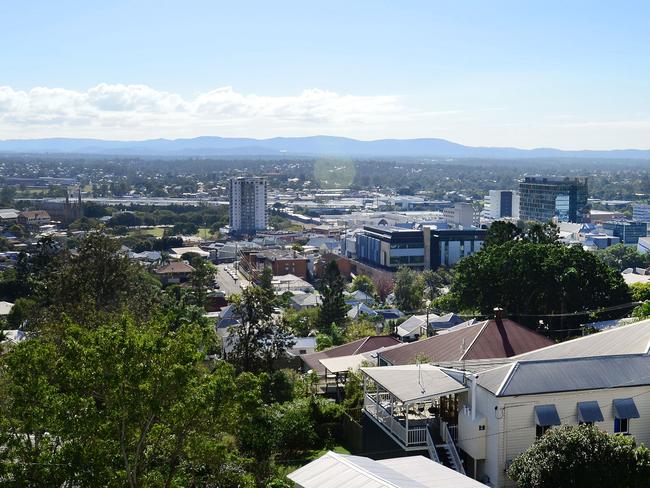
[(501, 74)]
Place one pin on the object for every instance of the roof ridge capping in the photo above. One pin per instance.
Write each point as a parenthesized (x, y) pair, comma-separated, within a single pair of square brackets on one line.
[(611, 357), (344, 459), (588, 337)]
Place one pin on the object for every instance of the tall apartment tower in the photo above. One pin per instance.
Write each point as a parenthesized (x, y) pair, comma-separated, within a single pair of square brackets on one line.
[(248, 210), (504, 204), (543, 199)]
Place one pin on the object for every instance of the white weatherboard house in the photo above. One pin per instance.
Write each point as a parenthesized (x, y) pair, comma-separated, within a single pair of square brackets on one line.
[(481, 418)]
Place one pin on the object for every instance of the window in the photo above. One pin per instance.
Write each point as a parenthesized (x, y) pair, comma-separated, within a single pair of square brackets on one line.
[(621, 426), (540, 430)]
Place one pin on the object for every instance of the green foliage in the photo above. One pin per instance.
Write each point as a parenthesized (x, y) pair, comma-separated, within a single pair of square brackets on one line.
[(365, 284), (640, 292), (642, 311), (409, 289), (621, 257), (353, 397), (582, 456), (359, 329), (501, 232), (261, 339), (185, 229), (99, 280), (527, 278), (334, 309), (120, 404), (302, 322), (23, 310)]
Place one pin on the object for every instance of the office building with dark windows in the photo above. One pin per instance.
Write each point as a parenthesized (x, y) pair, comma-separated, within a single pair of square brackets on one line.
[(543, 199)]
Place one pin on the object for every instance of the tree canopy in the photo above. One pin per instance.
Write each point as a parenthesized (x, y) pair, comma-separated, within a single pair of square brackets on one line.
[(529, 279), (582, 457)]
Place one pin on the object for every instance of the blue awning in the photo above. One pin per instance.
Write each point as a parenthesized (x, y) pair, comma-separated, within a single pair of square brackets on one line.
[(625, 408), (589, 412), (546, 415)]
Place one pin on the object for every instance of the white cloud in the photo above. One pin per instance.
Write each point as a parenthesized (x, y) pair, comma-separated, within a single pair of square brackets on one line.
[(108, 110)]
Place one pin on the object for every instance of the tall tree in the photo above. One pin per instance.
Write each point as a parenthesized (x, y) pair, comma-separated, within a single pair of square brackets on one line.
[(122, 404), (501, 232), (409, 289), (530, 279), (621, 257), (333, 309)]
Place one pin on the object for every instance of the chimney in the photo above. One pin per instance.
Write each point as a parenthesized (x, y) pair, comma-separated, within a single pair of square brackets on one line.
[(498, 314)]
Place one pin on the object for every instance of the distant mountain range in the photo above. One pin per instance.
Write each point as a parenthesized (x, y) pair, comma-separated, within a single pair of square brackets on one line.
[(298, 146)]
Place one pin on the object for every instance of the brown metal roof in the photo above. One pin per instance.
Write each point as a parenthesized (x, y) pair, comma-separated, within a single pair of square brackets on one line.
[(365, 344), (503, 339), (483, 340)]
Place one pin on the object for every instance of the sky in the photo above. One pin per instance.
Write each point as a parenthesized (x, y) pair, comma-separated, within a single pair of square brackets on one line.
[(566, 74)]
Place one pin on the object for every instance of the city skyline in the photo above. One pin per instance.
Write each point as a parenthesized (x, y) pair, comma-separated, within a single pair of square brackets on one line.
[(542, 74)]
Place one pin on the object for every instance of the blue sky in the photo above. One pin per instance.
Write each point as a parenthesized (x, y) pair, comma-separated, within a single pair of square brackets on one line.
[(568, 74)]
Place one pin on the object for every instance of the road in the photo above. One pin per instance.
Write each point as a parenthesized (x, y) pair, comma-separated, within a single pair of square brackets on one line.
[(226, 283)]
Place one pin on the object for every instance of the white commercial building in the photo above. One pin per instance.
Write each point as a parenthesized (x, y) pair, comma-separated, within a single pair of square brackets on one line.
[(460, 215), (248, 205), (503, 204)]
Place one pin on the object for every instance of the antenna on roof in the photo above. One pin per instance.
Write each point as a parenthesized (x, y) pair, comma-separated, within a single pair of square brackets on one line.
[(422, 389)]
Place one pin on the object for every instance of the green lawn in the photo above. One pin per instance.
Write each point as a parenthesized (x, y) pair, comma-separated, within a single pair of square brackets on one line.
[(154, 232)]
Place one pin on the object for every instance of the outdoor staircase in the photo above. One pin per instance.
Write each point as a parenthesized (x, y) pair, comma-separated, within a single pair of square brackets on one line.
[(446, 459)]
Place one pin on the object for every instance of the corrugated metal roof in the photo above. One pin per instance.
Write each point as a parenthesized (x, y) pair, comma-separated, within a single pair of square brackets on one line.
[(626, 339), (557, 375), (414, 382), (334, 470), (365, 344), (483, 340)]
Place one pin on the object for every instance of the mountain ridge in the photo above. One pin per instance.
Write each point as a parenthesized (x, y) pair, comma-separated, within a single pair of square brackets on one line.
[(299, 146)]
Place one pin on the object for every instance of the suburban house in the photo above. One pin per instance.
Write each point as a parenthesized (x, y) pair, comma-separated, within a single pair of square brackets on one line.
[(478, 416), (416, 325), (494, 338), (8, 215), (174, 272), (34, 218), (301, 301), (333, 470), (360, 346)]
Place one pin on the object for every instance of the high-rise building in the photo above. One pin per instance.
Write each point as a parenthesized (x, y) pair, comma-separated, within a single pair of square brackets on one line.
[(543, 199), (504, 204), (248, 205)]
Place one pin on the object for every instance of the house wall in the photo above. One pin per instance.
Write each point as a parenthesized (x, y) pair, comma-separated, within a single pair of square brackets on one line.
[(511, 428)]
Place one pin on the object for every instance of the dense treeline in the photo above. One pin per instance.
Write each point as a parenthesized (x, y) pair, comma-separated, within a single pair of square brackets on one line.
[(118, 385)]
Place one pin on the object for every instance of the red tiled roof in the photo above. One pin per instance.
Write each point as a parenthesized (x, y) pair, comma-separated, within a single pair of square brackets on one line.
[(484, 340), (365, 344)]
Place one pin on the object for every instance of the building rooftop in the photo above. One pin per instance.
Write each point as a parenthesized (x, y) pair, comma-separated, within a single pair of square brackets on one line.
[(365, 344), (334, 470), (570, 374), (483, 340)]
